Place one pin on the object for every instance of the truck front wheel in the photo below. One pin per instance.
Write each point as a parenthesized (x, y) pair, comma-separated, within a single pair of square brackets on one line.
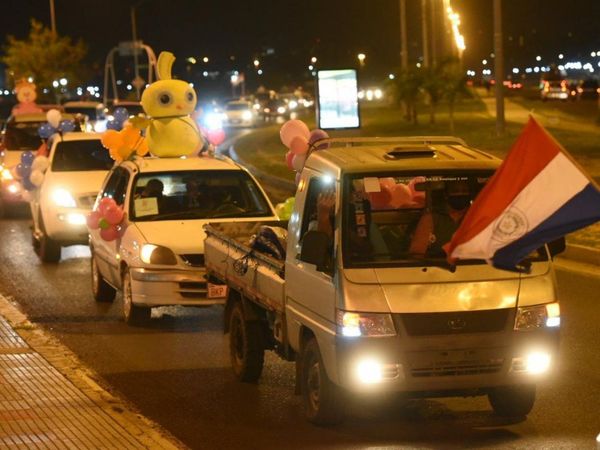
[(246, 347), (323, 400), (512, 401)]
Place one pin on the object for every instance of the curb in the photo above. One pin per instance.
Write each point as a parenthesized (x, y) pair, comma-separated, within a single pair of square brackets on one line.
[(573, 252), (148, 433)]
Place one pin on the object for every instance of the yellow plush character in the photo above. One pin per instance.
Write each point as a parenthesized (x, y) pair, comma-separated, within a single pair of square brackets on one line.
[(170, 131)]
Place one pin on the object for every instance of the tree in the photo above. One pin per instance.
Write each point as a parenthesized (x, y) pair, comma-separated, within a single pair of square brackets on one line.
[(433, 85), (454, 85), (45, 56), (408, 88)]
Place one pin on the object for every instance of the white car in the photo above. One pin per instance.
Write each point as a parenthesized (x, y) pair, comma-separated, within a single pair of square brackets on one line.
[(159, 258), (240, 114), (78, 166)]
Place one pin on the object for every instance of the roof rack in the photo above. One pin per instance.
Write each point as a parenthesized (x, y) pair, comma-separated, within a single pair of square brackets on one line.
[(351, 142)]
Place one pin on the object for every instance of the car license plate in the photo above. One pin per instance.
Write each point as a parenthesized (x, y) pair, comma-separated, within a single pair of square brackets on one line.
[(217, 290)]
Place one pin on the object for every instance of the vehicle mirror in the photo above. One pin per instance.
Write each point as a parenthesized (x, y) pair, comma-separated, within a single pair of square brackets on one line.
[(557, 246), (315, 247)]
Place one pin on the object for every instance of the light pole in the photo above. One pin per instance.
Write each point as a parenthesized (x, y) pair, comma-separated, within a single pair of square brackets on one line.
[(499, 68), (136, 67), (425, 33), (403, 36), (52, 17)]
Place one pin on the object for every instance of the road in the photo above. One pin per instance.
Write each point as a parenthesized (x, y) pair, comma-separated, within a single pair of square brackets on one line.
[(175, 370)]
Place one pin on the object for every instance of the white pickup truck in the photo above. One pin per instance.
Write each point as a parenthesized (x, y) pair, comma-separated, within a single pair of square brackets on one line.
[(361, 306)]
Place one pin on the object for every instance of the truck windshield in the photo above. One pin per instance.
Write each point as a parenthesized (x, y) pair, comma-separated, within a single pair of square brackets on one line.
[(84, 155), (402, 220), (198, 194), (22, 136)]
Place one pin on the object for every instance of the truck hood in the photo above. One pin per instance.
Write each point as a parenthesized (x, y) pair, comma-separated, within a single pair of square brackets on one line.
[(433, 289)]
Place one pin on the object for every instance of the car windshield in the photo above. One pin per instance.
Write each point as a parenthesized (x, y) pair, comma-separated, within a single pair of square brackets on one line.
[(404, 220), (83, 155), (237, 106), (22, 136), (91, 113), (198, 194)]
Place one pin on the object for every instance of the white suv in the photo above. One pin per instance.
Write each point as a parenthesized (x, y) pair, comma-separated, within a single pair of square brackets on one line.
[(78, 166), (159, 258)]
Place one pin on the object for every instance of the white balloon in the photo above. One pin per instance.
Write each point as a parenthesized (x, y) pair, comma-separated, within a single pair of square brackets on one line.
[(40, 163), (36, 177), (291, 129), (54, 117)]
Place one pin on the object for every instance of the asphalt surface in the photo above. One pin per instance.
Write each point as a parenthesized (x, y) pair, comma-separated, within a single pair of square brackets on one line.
[(175, 370)]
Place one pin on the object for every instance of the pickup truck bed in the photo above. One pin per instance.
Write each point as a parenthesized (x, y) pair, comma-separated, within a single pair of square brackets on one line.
[(230, 259)]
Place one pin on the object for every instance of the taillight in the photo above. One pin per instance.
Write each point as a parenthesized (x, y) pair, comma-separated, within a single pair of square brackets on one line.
[(563, 85)]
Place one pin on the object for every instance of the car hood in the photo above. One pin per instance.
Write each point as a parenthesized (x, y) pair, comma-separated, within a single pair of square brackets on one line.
[(75, 182), (416, 289)]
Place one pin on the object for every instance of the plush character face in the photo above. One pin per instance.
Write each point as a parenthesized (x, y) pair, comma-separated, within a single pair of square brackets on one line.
[(167, 97), (25, 92)]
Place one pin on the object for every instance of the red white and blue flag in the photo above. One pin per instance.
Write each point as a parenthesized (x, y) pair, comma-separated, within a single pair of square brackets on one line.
[(538, 194)]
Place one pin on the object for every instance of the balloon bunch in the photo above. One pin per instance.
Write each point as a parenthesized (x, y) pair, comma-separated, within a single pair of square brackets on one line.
[(109, 218), (284, 210), (119, 116), (30, 171), (394, 195), (215, 136), (122, 144), (55, 124), (296, 136)]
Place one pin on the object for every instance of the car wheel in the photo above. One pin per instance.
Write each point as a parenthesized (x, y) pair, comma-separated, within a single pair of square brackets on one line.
[(512, 401), (102, 291), (246, 348), (133, 314), (323, 400)]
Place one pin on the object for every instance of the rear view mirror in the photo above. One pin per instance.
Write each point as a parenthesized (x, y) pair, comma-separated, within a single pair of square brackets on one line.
[(315, 249), (557, 246)]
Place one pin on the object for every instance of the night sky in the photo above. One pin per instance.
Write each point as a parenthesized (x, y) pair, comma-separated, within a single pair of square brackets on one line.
[(333, 30)]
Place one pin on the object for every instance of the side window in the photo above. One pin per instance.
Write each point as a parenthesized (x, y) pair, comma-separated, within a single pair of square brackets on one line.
[(116, 187), (319, 211)]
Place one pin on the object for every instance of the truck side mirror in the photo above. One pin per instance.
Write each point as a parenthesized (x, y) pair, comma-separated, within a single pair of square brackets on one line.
[(315, 249), (557, 246)]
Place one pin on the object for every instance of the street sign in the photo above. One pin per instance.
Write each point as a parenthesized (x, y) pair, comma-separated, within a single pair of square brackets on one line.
[(337, 93)]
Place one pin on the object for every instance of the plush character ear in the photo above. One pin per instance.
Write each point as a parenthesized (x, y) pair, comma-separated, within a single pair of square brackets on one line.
[(164, 65)]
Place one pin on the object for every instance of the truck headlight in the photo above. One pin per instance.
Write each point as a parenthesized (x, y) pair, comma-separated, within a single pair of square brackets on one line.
[(539, 316), (63, 198), (157, 254), (351, 324)]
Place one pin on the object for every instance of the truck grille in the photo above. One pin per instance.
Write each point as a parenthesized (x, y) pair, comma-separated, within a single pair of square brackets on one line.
[(458, 368), (193, 259), (462, 322)]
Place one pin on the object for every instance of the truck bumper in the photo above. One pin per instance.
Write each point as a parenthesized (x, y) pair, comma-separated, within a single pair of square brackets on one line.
[(171, 287), (445, 365)]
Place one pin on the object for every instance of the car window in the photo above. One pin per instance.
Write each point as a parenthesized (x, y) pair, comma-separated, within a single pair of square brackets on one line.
[(22, 136), (116, 186), (199, 194), (84, 155), (237, 106)]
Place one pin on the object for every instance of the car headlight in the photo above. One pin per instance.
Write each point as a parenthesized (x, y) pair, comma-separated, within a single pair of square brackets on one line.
[(157, 254), (293, 104), (247, 115), (351, 324), (6, 175), (63, 198), (281, 110), (539, 316)]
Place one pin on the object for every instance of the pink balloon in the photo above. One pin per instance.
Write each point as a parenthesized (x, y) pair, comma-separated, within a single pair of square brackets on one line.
[(292, 129), (216, 137), (400, 196), (105, 203), (298, 162), (389, 182), (92, 220), (382, 199), (110, 234), (289, 156), (417, 196), (299, 145), (113, 215)]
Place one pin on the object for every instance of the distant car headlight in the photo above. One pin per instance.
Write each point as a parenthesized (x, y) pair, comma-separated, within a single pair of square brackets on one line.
[(247, 115), (157, 254), (378, 94), (62, 197), (539, 316), (214, 121), (293, 104), (281, 110), (6, 175), (351, 324)]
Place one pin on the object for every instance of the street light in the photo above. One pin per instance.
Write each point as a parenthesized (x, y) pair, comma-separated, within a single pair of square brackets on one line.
[(256, 63), (361, 58), (205, 59), (313, 59)]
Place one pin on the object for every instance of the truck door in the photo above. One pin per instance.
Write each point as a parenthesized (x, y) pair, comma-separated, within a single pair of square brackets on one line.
[(311, 292)]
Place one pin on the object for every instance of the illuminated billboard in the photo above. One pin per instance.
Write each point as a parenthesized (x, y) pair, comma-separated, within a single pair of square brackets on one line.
[(337, 99)]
